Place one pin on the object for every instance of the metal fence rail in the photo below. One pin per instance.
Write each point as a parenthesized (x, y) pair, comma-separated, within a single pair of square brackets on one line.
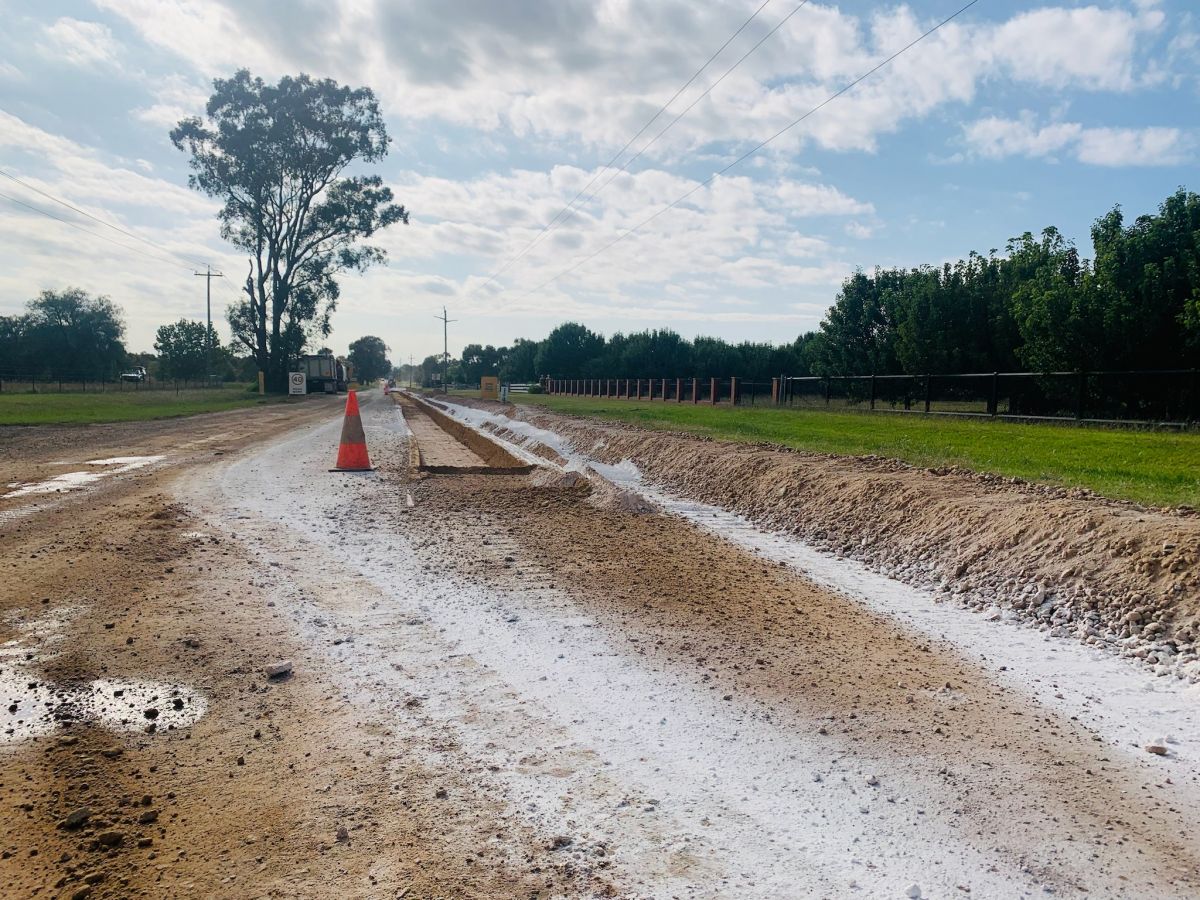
[(1164, 396)]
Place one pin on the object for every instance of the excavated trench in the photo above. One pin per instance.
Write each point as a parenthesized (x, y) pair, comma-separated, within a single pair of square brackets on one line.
[(440, 445)]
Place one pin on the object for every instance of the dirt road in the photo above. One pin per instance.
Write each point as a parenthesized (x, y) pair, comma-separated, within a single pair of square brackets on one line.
[(522, 685)]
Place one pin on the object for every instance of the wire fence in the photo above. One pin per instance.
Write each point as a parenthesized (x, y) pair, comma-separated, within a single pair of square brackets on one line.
[(1163, 397), (13, 382)]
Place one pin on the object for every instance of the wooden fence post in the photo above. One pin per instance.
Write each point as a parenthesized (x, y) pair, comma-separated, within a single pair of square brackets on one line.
[(928, 391), (712, 391), (733, 391), (995, 399), (872, 390)]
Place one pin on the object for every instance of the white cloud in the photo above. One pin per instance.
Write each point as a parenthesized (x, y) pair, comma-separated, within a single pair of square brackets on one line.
[(997, 138), (175, 98), (1134, 146), (597, 71), (80, 43), (1089, 47)]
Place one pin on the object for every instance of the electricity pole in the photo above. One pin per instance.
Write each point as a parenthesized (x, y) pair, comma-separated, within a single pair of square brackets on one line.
[(445, 347), (208, 275)]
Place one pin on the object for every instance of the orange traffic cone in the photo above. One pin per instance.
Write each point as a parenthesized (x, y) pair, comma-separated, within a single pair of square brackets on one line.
[(352, 453)]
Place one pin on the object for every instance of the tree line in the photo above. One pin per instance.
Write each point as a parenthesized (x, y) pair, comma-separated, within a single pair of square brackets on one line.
[(69, 334), (1038, 306)]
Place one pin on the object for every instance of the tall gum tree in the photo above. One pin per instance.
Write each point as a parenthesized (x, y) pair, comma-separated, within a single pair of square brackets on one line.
[(277, 157)]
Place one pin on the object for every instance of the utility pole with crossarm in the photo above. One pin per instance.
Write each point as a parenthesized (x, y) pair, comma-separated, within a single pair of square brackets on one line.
[(445, 347), (208, 275)]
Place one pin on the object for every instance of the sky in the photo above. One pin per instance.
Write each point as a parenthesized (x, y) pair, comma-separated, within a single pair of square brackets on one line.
[(1014, 116)]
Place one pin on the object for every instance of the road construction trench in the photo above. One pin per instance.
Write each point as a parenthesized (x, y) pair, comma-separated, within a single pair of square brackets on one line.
[(439, 449)]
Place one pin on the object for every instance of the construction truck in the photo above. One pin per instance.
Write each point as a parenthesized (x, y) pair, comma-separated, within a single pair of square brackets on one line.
[(325, 373)]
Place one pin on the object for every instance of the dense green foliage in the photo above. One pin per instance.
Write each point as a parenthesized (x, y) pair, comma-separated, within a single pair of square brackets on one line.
[(368, 356), (1157, 468), (1038, 306), (276, 156), (185, 355), (63, 334)]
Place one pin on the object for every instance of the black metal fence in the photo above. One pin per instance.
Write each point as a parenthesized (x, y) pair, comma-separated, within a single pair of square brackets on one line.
[(13, 382), (1165, 396)]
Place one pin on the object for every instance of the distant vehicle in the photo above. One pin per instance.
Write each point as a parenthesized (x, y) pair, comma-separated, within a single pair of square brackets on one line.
[(325, 373), (137, 373)]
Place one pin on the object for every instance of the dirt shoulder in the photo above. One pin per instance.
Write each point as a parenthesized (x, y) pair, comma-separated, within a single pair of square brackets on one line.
[(278, 788), (1111, 574)]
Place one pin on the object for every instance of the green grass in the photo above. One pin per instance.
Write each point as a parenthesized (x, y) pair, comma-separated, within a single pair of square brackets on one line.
[(1153, 467), (120, 406)]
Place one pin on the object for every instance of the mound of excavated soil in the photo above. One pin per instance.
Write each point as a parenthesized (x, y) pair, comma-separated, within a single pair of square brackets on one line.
[(1112, 574)]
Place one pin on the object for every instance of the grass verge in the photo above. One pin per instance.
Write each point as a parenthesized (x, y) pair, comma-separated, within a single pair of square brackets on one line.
[(1151, 467), (120, 406)]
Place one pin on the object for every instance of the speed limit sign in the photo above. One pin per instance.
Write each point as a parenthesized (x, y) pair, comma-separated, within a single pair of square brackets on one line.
[(297, 383)]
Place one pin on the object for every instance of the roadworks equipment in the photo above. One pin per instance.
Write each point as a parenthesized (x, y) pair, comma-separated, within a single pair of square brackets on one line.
[(352, 452)]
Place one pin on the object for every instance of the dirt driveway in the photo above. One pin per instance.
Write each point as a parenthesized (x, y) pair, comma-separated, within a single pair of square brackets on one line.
[(503, 686)]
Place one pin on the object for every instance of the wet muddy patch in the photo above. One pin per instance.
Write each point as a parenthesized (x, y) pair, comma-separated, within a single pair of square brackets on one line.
[(73, 481), (32, 706)]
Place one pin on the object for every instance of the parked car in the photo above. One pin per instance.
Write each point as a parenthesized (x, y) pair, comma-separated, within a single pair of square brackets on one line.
[(137, 373)]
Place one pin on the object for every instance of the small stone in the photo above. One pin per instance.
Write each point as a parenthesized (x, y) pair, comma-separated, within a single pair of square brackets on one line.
[(913, 892), (76, 819), (872, 780), (278, 669), (111, 838), (150, 713), (149, 817), (561, 842), (342, 834), (1157, 749)]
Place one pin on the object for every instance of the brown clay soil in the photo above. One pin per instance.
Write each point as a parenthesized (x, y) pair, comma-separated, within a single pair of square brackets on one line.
[(457, 724)]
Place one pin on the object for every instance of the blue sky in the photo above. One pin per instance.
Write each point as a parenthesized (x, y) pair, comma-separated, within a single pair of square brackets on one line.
[(1016, 116)]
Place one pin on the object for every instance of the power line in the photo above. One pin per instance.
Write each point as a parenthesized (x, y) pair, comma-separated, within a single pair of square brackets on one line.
[(174, 262), (751, 151), (82, 212), (625, 166), (548, 226)]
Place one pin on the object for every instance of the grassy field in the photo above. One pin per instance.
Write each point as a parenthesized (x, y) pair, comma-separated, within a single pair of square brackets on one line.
[(1158, 468), (120, 406)]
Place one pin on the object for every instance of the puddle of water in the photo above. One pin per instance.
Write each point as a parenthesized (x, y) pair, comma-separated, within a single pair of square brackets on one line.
[(126, 463), (27, 706), (31, 707), (73, 481), (68, 481), (136, 705)]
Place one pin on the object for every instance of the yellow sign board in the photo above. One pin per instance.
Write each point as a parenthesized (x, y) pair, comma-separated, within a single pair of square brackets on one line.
[(489, 388)]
